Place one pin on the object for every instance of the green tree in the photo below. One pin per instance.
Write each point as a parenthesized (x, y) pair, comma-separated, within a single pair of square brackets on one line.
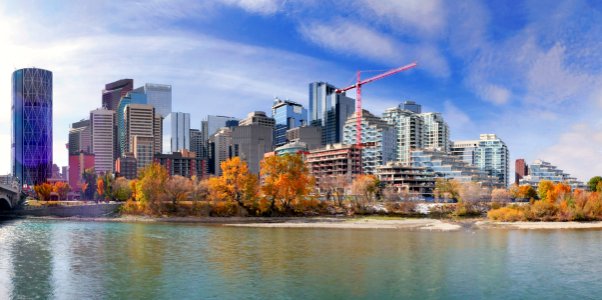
[(594, 184)]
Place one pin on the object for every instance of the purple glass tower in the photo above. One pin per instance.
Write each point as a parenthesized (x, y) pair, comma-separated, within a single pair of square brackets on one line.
[(31, 147)]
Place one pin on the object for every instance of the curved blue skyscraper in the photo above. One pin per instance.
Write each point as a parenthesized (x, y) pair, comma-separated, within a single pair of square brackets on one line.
[(31, 148)]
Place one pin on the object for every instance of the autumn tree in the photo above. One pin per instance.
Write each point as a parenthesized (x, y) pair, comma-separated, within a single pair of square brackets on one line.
[(471, 192), (366, 187), (43, 191), (100, 187), (447, 189), (542, 189), (150, 187), (62, 189), (523, 192), (121, 189), (334, 187), (177, 189), (89, 179), (500, 195), (595, 184), (235, 184), (286, 180), (200, 190)]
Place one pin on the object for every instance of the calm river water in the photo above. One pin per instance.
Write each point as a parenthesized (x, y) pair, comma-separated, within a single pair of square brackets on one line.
[(87, 260)]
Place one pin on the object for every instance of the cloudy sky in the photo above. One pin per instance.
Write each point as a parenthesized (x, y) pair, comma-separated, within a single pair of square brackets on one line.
[(528, 71)]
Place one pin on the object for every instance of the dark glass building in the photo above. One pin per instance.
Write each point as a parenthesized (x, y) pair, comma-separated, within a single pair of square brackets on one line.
[(114, 91), (31, 147), (329, 110)]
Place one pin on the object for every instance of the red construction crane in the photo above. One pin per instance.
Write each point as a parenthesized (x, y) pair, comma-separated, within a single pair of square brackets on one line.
[(358, 99)]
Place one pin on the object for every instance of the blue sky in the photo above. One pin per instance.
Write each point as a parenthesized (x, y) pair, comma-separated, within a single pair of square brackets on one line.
[(529, 71)]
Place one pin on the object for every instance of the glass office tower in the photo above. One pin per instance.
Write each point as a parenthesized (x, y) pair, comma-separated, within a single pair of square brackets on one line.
[(329, 110), (31, 147), (287, 115)]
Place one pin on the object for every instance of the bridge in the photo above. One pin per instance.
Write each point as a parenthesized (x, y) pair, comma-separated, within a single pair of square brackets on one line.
[(10, 192)]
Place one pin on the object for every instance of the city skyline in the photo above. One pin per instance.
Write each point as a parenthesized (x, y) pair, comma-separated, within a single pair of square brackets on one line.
[(505, 69)]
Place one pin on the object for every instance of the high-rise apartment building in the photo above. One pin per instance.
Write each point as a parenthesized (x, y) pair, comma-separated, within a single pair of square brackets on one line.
[(378, 140), (251, 142), (521, 169), (114, 91), (102, 129), (466, 150), (287, 115), (159, 96), (176, 132), (409, 129), (436, 132), (329, 110), (31, 144), (492, 156)]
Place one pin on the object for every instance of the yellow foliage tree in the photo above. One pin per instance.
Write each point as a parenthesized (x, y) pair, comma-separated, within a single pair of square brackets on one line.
[(150, 188), (447, 189), (236, 184), (543, 187), (286, 181)]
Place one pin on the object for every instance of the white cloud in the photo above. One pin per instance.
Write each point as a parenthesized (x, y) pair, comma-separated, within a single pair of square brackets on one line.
[(578, 151), (422, 17), (349, 38), (264, 7), (208, 75)]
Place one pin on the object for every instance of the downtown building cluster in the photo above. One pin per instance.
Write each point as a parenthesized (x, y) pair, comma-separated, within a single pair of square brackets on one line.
[(406, 148)]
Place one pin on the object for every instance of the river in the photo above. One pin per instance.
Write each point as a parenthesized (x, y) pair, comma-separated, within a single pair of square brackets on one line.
[(56, 259)]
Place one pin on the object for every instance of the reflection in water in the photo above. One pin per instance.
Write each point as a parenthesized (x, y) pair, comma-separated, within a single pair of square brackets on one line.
[(80, 260)]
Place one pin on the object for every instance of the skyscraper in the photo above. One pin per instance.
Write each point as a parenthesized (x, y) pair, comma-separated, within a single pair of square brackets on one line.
[(176, 132), (329, 110), (258, 118), (159, 96), (378, 138), (102, 128), (31, 145), (134, 97), (114, 91), (287, 115), (492, 157), (140, 130), (219, 149), (80, 137)]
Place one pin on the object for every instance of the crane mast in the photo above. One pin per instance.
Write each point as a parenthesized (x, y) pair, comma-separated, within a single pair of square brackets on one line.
[(358, 100)]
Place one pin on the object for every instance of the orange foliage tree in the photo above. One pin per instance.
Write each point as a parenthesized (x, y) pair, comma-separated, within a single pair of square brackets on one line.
[(100, 187), (366, 187), (43, 191), (235, 184), (285, 182), (61, 188)]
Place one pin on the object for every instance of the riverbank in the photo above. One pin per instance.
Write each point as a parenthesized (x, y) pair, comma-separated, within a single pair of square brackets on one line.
[(331, 222)]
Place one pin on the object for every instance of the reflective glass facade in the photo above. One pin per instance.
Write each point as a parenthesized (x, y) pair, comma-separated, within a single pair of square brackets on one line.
[(176, 132), (329, 110), (31, 145), (159, 96), (287, 115)]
